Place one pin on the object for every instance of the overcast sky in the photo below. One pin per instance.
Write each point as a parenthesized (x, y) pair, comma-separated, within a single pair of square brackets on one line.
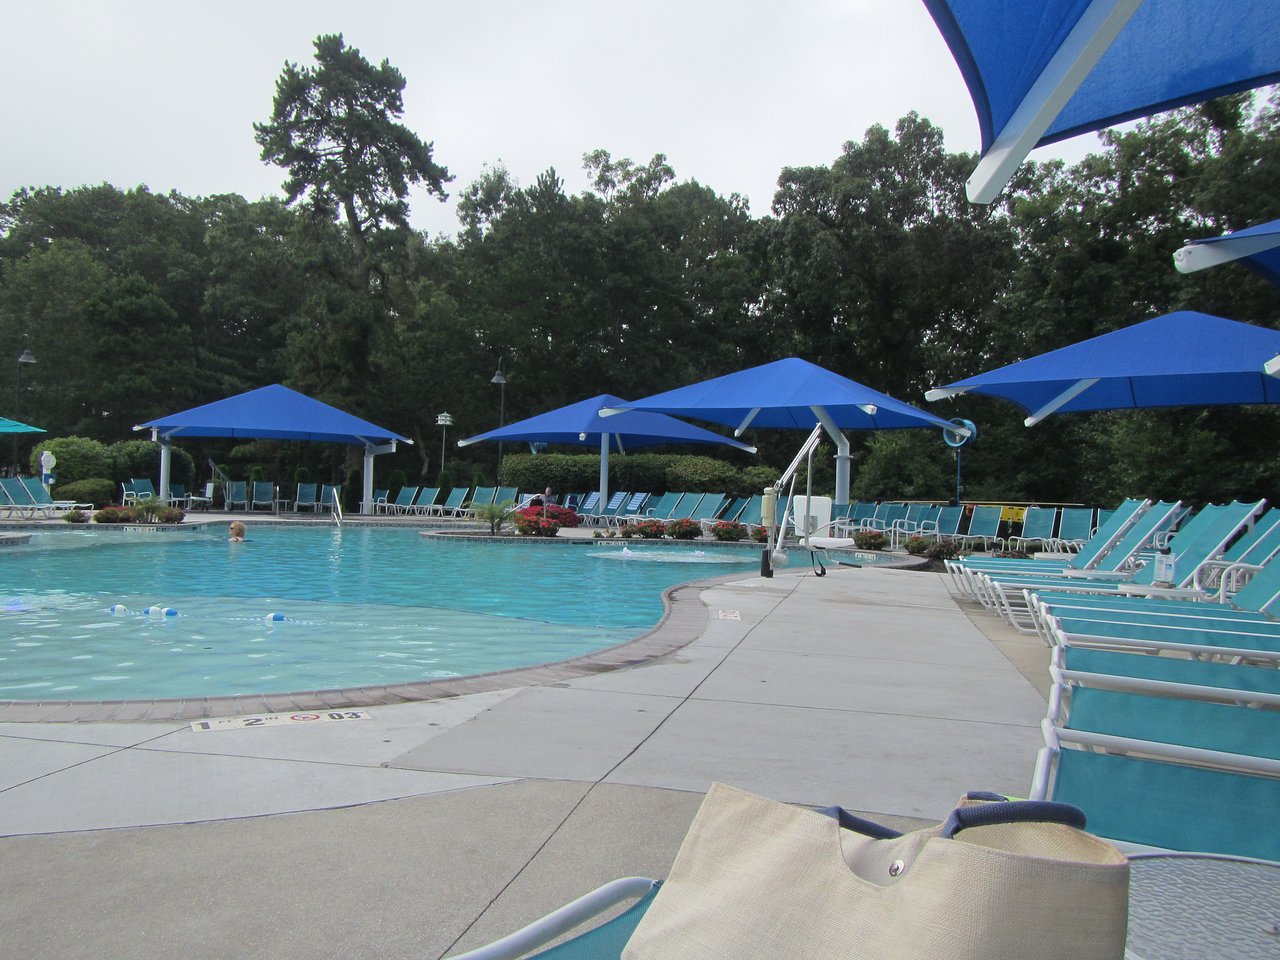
[(165, 94)]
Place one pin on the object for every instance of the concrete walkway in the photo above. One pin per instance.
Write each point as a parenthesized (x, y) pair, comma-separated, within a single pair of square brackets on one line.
[(436, 826)]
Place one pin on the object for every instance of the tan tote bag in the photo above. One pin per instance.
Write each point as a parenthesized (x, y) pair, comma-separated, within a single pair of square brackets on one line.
[(997, 881)]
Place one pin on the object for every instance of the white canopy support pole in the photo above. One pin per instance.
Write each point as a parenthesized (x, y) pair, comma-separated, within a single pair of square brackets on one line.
[(166, 464), (842, 454), (1272, 367), (1201, 256), (746, 421), (942, 393), (1092, 35), (604, 470), (1065, 397), (370, 451)]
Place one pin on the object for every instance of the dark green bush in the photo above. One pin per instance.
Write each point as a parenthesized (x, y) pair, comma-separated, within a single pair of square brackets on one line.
[(870, 540), (701, 475), (75, 516), (916, 546), (79, 458), (638, 472), (96, 490), (943, 550)]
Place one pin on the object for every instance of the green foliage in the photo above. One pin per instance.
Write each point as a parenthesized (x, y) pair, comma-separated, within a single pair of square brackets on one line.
[(534, 524), (95, 490), (444, 482), (684, 529), (701, 475), (916, 546), (495, 515), (397, 479), (79, 458), (943, 550), (752, 480), (870, 540), (729, 530), (905, 465), (75, 516)]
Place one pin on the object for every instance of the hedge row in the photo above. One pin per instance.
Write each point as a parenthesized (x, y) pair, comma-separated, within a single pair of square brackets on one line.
[(647, 472)]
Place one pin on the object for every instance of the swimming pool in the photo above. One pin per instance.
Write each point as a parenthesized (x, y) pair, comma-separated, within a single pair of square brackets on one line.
[(313, 608)]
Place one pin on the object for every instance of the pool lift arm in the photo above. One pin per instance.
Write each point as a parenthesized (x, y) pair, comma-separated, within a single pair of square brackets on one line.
[(774, 554)]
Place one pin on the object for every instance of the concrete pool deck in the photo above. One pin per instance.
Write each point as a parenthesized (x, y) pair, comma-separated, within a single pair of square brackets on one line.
[(434, 827)]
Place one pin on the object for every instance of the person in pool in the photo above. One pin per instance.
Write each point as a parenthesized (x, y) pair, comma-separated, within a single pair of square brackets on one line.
[(237, 531)]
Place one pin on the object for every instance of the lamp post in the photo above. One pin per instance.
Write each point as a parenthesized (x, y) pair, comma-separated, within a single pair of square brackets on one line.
[(444, 421), (26, 356), (500, 379)]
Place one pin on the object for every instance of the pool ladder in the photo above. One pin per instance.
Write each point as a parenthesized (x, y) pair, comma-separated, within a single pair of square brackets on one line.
[(337, 508)]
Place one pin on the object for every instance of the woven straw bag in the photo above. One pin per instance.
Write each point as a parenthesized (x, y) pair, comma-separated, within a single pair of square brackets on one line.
[(997, 881)]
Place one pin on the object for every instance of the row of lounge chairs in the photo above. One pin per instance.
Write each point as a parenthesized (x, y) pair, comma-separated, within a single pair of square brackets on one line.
[(1058, 529), (1164, 717), (27, 497)]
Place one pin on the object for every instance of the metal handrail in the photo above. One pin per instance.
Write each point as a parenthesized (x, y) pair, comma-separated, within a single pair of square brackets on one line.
[(337, 507)]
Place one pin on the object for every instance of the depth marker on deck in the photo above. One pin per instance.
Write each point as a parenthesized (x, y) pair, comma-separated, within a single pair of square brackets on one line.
[(730, 615), (275, 719)]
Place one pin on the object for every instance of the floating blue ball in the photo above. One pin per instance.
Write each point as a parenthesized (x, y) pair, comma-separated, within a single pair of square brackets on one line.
[(276, 617), (117, 608), (161, 612)]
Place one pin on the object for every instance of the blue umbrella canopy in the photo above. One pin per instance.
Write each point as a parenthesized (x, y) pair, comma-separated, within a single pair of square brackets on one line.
[(1043, 71), (272, 413), (580, 424), (1179, 359), (791, 394), (1257, 247)]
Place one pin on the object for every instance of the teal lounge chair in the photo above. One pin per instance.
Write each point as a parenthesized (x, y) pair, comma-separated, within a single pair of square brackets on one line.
[(329, 494), (1075, 526), (40, 496), (402, 502), (708, 507), (984, 527), (21, 503), (452, 505), (424, 501), (506, 494), (236, 493), (655, 509), (306, 498), (598, 515), (632, 506), (483, 497), (1037, 528), (264, 495), (603, 942), (1135, 672)]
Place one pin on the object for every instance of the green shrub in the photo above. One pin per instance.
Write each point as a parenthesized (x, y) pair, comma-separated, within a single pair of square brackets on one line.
[(916, 546), (751, 480), (870, 540), (79, 458), (684, 529), (145, 511), (96, 490), (701, 475), (114, 515), (943, 550), (75, 516), (645, 530), (729, 530), (495, 515), (444, 482)]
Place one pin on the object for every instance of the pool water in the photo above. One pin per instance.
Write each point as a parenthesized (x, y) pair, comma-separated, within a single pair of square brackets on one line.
[(313, 608)]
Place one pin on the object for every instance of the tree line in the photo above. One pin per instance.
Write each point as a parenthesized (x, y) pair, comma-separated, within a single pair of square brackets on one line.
[(140, 304)]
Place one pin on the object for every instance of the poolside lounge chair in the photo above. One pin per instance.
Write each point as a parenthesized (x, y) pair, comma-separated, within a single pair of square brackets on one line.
[(452, 505), (708, 508), (602, 516), (601, 942), (199, 501), (264, 495), (41, 498), (20, 501), (178, 496), (1075, 526), (235, 492), (630, 507), (1037, 527), (329, 495), (483, 497), (306, 498), (423, 502), (984, 527), (655, 509), (380, 497), (402, 502), (507, 495)]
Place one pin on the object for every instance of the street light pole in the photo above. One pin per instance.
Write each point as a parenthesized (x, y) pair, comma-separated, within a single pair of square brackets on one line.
[(26, 356), (500, 379), (444, 421)]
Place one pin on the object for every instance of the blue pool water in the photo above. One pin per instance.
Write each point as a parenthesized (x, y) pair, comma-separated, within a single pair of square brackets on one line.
[(313, 608)]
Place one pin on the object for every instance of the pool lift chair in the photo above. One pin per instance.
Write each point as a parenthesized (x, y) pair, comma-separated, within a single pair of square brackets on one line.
[(774, 554)]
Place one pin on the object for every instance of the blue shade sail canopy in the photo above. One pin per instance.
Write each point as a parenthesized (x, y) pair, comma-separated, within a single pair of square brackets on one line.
[(1257, 247), (793, 394), (272, 413), (1176, 360), (789, 394), (581, 424), (1040, 71), (13, 426)]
